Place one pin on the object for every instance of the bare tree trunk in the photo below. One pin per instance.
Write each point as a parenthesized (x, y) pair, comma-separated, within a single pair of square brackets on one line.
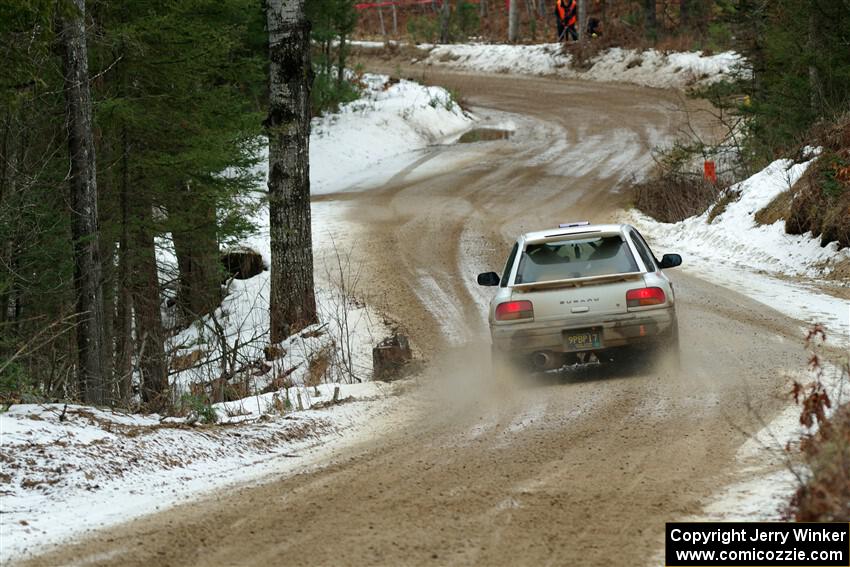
[(84, 227), (329, 44), (381, 19), (146, 303), (107, 253), (684, 13), (292, 298), (814, 79), (651, 21), (445, 16), (8, 182), (513, 21), (340, 59), (198, 255), (582, 19), (124, 362), (395, 21)]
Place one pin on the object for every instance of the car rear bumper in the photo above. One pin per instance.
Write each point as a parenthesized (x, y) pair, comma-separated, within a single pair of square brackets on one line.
[(646, 327)]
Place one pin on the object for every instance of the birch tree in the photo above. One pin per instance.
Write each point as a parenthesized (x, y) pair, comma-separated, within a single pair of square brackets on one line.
[(292, 298), (513, 21), (84, 228), (582, 19)]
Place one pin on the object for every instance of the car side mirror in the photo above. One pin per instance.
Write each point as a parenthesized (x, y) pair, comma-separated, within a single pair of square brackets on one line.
[(488, 278), (670, 261)]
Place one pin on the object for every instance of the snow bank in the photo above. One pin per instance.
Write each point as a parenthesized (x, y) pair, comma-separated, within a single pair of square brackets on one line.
[(540, 59), (653, 68), (758, 260), (649, 67), (391, 119), (735, 237)]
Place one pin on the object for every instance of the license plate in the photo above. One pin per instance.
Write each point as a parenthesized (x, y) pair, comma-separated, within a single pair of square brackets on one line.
[(583, 340)]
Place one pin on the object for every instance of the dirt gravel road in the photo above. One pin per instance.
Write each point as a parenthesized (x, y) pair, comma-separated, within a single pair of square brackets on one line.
[(579, 470)]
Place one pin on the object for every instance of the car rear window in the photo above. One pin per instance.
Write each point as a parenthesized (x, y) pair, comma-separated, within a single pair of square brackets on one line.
[(599, 255)]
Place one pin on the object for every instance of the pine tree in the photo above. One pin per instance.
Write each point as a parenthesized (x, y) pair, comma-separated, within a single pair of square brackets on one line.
[(91, 352), (331, 21), (176, 92), (799, 59), (181, 108)]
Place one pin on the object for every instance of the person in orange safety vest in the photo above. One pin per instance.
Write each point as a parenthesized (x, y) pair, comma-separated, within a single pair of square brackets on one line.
[(566, 12)]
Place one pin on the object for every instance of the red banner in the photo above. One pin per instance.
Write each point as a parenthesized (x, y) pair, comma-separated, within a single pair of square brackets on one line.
[(710, 171)]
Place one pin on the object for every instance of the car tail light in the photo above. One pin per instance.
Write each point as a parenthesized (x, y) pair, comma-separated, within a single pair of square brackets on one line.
[(513, 310), (645, 296)]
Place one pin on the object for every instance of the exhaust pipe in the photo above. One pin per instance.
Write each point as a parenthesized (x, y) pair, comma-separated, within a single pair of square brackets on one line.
[(546, 360)]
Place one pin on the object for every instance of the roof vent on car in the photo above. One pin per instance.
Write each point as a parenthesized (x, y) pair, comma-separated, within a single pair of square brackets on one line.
[(573, 224)]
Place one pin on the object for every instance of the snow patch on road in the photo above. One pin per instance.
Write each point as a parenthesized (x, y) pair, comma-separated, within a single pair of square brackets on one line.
[(760, 498), (440, 304), (769, 475)]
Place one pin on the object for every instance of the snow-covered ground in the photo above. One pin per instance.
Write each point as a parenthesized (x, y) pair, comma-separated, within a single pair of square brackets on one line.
[(761, 261), (650, 67), (68, 470), (369, 138)]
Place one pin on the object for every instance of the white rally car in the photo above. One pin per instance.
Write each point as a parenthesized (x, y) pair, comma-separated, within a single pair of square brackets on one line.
[(580, 292)]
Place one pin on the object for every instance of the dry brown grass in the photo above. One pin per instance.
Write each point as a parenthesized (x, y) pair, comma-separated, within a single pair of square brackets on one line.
[(318, 367), (823, 492), (687, 40), (727, 197), (673, 197), (822, 197), (777, 209), (583, 52), (825, 496)]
